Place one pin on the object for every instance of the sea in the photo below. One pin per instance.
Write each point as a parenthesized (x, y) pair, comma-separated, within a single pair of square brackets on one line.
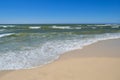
[(26, 46)]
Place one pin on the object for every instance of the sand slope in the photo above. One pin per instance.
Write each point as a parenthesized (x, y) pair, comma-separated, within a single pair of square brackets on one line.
[(73, 69)]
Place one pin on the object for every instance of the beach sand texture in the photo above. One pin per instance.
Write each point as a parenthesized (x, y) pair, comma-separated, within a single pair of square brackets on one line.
[(99, 61)]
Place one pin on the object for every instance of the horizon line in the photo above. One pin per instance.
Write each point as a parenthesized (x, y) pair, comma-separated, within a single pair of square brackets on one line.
[(54, 23)]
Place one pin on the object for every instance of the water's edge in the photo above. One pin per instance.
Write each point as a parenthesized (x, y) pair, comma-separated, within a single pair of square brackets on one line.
[(57, 58)]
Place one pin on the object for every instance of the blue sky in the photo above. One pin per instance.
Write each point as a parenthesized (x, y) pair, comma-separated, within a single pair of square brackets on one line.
[(59, 11)]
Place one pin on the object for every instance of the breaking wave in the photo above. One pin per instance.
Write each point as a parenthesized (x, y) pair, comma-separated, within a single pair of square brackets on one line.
[(48, 51), (6, 34)]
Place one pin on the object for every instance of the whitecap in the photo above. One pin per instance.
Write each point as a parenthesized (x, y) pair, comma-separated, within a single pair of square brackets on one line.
[(117, 26), (34, 27), (61, 27), (6, 34), (4, 26), (78, 27)]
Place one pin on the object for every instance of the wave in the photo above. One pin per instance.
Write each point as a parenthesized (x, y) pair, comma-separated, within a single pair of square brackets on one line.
[(34, 27), (61, 27), (6, 26), (65, 27), (78, 28), (2, 30), (6, 34), (116, 26), (49, 51)]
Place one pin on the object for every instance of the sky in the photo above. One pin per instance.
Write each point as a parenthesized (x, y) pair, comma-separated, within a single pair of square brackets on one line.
[(59, 11)]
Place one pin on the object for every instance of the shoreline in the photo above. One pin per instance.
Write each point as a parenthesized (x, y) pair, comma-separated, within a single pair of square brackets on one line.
[(106, 43), (72, 56)]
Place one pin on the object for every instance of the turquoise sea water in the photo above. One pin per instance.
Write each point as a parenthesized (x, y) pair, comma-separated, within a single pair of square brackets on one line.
[(30, 45)]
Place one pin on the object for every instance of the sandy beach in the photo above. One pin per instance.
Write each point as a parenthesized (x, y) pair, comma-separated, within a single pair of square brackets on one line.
[(99, 61)]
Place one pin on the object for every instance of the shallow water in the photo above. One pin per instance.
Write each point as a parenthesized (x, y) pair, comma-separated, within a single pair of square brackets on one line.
[(27, 46)]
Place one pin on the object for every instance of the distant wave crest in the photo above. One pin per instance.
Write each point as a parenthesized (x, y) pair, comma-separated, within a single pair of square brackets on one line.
[(6, 34)]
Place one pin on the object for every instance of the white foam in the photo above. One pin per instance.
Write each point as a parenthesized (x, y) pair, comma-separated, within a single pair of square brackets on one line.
[(7, 34), (11, 25), (65, 27), (93, 27), (104, 25), (34, 27), (49, 51), (5, 26), (117, 26), (61, 27), (78, 27)]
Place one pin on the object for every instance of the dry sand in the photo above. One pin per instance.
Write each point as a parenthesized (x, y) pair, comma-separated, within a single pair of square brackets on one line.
[(100, 61)]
